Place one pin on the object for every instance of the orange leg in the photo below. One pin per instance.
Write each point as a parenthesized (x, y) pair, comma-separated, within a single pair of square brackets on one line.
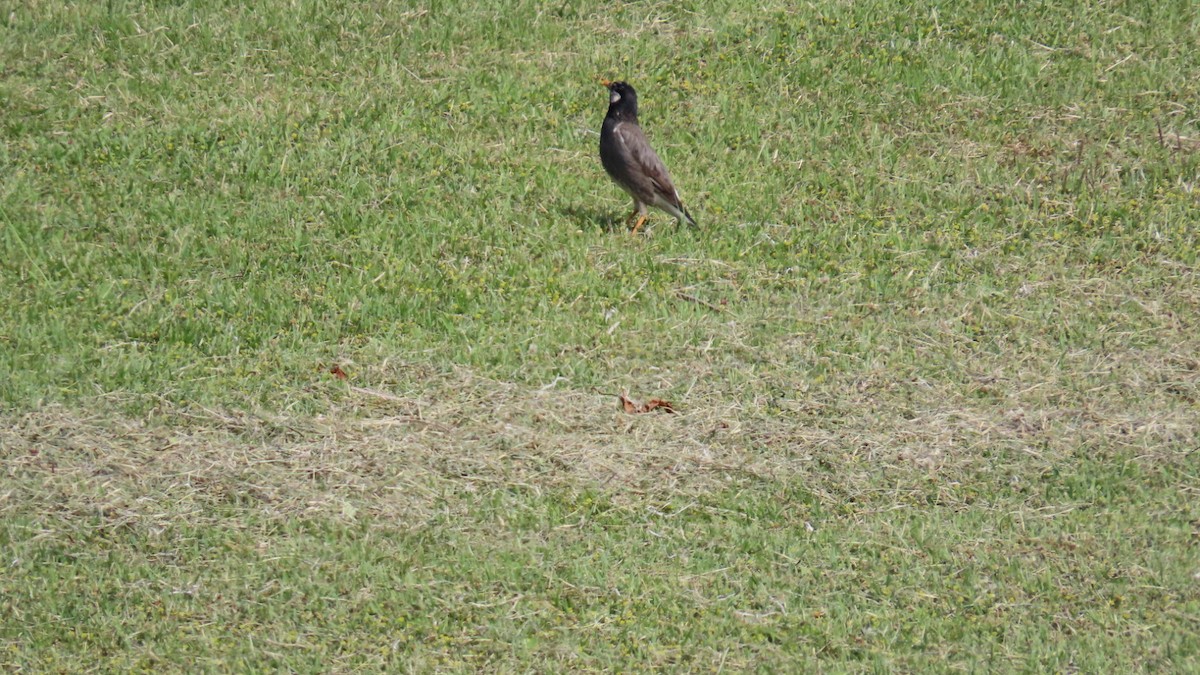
[(640, 221)]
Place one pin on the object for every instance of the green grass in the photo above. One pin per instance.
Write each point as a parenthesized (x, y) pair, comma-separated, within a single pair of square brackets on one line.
[(934, 345)]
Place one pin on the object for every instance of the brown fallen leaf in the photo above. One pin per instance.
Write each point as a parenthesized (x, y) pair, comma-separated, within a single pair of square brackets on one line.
[(659, 403), (633, 407), (337, 372), (628, 404)]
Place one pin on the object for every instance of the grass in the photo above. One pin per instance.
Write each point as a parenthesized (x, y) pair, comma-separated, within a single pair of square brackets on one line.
[(933, 346)]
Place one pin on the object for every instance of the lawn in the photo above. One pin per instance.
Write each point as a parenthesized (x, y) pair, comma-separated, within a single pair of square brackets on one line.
[(316, 316)]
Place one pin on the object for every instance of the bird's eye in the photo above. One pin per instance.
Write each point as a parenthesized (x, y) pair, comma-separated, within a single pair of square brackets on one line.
[(614, 97)]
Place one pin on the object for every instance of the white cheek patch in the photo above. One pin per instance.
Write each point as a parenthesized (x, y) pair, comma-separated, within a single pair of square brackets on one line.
[(613, 97)]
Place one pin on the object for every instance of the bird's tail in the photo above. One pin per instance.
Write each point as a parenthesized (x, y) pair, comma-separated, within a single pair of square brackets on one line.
[(690, 220)]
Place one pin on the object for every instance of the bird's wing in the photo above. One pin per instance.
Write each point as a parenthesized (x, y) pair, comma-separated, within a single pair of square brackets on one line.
[(646, 162)]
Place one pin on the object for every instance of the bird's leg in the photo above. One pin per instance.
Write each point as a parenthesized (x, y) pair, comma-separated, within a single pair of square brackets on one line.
[(639, 212), (640, 221)]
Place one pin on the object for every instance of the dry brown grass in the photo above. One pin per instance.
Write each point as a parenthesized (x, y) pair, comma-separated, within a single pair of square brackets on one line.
[(398, 455)]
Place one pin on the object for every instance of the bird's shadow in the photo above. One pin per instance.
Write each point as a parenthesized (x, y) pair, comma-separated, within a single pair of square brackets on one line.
[(585, 218)]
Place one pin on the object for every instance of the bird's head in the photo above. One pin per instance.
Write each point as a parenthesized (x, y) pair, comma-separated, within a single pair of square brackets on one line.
[(622, 99)]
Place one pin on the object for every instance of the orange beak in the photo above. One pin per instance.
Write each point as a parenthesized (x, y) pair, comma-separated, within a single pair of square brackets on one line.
[(604, 82)]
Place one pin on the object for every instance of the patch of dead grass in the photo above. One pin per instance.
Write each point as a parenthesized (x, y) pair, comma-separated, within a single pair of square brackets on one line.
[(403, 454)]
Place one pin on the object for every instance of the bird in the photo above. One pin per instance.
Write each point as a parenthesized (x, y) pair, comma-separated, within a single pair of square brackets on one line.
[(632, 163)]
